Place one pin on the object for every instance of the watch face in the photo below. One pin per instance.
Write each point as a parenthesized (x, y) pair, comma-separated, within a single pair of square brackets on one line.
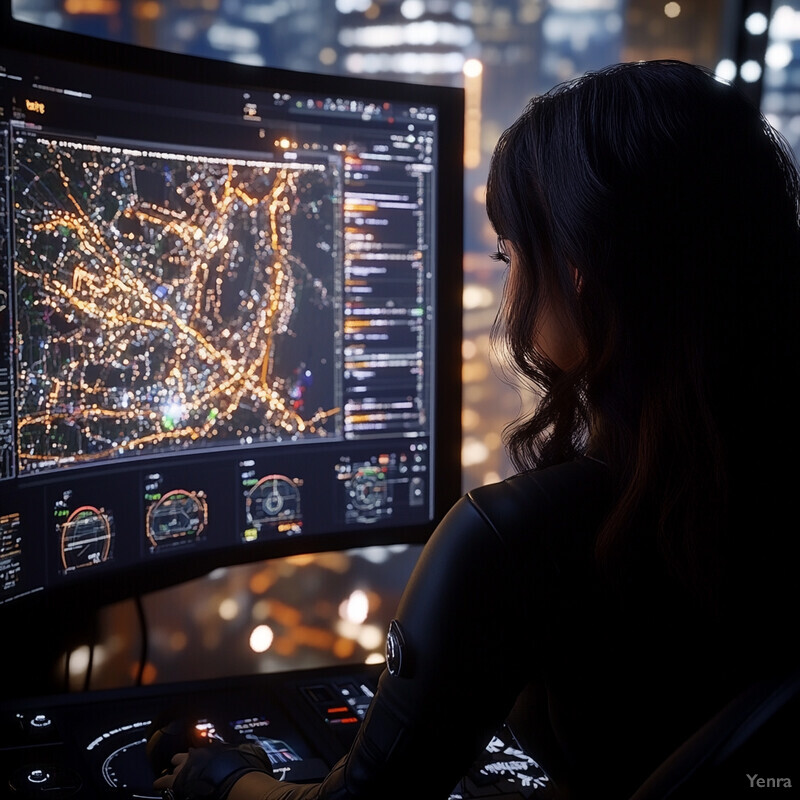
[(394, 649)]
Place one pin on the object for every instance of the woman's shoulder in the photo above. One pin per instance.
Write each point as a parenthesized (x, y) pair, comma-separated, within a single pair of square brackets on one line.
[(553, 512), (574, 496)]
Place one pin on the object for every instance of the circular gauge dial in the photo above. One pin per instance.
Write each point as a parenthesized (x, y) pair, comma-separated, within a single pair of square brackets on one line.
[(85, 538), (179, 514), (273, 499)]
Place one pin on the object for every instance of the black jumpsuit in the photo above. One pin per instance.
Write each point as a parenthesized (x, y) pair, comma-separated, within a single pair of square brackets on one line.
[(504, 619)]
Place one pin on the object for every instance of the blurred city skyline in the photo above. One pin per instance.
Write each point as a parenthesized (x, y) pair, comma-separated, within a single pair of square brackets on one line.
[(329, 607)]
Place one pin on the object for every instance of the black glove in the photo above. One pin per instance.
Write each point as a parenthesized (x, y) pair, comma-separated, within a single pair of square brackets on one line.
[(176, 735), (211, 770)]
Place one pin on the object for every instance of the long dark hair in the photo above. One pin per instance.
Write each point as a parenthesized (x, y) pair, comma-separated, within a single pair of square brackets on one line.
[(663, 208)]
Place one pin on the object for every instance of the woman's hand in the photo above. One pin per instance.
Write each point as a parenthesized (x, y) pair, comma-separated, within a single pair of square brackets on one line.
[(210, 771), (166, 780)]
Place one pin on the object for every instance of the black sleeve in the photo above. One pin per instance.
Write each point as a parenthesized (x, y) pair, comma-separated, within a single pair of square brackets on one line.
[(461, 672)]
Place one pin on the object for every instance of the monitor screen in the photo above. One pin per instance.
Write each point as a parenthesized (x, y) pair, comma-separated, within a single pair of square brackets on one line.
[(231, 315)]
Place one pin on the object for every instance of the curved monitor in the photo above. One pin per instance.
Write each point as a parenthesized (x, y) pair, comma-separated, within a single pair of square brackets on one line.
[(231, 314)]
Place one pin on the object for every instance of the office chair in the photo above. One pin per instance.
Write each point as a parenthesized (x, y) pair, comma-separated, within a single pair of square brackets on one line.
[(752, 743)]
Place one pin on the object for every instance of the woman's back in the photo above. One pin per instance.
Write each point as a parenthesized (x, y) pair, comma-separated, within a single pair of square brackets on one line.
[(617, 678)]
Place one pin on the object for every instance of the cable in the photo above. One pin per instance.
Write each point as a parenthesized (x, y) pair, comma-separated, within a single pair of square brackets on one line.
[(143, 628), (91, 644), (90, 663)]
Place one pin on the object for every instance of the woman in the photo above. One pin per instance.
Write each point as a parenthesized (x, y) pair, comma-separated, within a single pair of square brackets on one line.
[(636, 573)]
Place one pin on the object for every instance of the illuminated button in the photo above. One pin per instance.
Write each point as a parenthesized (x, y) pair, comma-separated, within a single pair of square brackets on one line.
[(38, 776), (50, 780)]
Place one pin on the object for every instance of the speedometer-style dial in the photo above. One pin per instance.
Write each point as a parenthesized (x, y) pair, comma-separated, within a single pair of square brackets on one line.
[(85, 538), (178, 515)]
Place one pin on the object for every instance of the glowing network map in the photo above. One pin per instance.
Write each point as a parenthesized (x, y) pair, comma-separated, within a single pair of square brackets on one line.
[(168, 301)]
